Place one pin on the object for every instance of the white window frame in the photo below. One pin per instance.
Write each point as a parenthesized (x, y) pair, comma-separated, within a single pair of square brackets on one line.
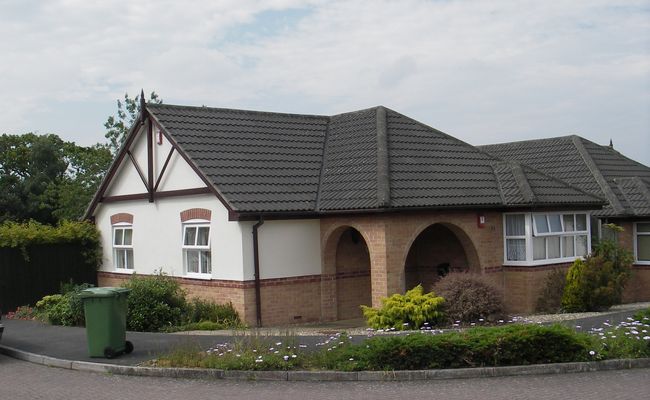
[(122, 247), (531, 233), (635, 236), (515, 237), (186, 249)]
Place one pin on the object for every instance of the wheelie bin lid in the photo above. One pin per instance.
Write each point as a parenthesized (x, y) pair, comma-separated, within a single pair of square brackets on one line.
[(103, 292)]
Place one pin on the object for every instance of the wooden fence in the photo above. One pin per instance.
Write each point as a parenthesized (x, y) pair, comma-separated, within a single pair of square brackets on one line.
[(24, 282)]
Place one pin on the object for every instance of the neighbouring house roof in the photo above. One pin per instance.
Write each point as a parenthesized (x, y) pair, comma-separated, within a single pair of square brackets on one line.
[(596, 169), (263, 162)]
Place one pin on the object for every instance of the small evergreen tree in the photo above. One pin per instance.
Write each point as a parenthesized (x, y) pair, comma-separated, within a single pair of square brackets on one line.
[(597, 283)]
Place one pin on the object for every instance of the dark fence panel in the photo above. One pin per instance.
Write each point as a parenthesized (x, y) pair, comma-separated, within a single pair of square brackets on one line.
[(25, 282)]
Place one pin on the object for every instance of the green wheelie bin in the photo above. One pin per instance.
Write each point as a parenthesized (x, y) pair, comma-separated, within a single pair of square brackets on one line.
[(105, 311)]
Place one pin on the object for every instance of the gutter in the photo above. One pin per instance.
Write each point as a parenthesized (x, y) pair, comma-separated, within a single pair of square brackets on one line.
[(256, 263)]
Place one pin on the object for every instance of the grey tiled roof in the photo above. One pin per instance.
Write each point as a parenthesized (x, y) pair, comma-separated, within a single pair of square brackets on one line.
[(370, 159), (596, 169)]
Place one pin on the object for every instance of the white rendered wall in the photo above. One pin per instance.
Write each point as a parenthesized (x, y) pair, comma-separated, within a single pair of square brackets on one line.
[(287, 248), (178, 174), (157, 235), (127, 180)]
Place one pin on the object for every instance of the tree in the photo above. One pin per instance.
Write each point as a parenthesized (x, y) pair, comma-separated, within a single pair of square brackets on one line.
[(46, 179), (127, 113), (596, 283), (86, 169), (31, 165)]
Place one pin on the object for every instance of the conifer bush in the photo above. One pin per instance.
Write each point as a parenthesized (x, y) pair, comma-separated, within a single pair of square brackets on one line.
[(596, 283), (409, 311)]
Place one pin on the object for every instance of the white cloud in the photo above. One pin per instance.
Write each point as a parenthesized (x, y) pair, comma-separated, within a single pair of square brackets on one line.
[(483, 71)]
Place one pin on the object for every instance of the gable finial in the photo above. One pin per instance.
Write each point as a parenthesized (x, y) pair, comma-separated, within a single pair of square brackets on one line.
[(611, 144)]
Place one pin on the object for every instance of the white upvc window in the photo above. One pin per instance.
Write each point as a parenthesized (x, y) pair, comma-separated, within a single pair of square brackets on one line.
[(196, 249), (642, 242), (123, 247), (542, 238)]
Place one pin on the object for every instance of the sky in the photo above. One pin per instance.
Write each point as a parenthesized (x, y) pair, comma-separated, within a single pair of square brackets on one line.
[(482, 71)]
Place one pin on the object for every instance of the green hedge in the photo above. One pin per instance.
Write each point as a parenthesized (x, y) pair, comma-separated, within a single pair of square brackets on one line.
[(32, 233), (479, 347)]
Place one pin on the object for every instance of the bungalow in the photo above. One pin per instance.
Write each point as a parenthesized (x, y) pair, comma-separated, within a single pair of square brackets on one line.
[(603, 172), (297, 218)]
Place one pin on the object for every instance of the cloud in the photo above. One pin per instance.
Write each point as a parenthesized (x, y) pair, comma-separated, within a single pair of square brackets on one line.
[(482, 71)]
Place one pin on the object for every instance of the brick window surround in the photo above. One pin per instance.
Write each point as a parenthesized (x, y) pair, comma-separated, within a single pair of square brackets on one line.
[(196, 213), (121, 217)]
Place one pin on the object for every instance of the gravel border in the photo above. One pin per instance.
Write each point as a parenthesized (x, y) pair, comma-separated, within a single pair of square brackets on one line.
[(317, 330), (323, 376)]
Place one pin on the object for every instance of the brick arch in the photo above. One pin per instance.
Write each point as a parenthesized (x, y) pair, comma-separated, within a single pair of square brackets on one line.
[(461, 235), (470, 259), (121, 218), (196, 213)]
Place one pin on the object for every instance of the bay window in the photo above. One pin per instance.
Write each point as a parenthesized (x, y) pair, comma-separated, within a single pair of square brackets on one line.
[(540, 238)]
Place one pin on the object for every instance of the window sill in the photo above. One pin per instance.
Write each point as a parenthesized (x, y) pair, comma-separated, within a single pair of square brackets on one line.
[(124, 271), (638, 262), (205, 277), (541, 262)]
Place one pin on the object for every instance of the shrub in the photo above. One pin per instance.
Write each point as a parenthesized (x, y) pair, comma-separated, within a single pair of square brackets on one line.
[(497, 346), (155, 302), (52, 309), (550, 299), (596, 283), (22, 312), (199, 310), (409, 311), (65, 308), (642, 316), (470, 297)]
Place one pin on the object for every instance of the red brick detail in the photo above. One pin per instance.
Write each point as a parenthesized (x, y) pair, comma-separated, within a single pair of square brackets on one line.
[(352, 274), (196, 213), (490, 270), (121, 217)]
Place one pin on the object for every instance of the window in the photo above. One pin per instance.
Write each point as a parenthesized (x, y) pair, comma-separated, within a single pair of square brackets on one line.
[(539, 237), (123, 247), (642, 242), (559, 236), (516, 237), (196, 249)]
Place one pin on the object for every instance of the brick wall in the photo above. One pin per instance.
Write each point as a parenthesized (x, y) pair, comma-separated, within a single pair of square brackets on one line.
[(638, 286), (523, 285), (284, 301)]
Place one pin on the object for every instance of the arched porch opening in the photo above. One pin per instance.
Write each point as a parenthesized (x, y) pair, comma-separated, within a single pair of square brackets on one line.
[(353, 287), (439, 249)]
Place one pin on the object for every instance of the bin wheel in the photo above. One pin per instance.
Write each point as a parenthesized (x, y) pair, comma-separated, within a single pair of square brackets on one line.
[(128, 347), (109, 352)]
